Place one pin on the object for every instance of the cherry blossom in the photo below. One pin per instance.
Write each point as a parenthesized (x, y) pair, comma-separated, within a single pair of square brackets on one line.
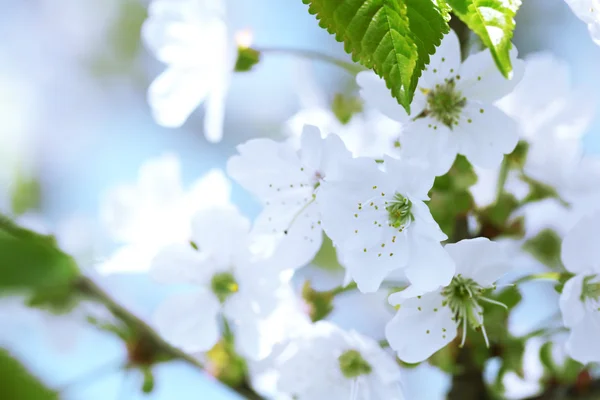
[(580, 298), (192, 38), (426, 322), (155, 211), (453, 111), (325, 362), (287, 182), (226, 279), (379, 223)]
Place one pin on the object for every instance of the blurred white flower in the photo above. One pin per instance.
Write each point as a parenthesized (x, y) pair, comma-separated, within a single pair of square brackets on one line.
[(227, 278), (426, 322), (287, 182), (544, 103), (580, 298), (453, 111), (154, 212), (379, 223), (368, 133), (192, 38), (325, 362), (589, 12)]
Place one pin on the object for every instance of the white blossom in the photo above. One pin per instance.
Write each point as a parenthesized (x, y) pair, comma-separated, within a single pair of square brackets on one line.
[(453, 110), (368, 133), (545, 103), (192, 38), (379, 223), (589, 12), (580, 298), (155, 211), (426, 322), (325, 362), (226, 279), (287, 181)]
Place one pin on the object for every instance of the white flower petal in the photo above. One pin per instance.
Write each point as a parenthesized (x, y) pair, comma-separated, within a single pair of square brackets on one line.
[(480, 79), (189, 321), (176, 93), (479, 259), (485, 134), (303, 239), (572, 308), (310, 143), (445, 63), (185, 32), (417, 179), (222, 233), (129, 258), (180, 263), (429, 141), (583, 344), (369, 268), (580, 249), (266, 168), (214, 114), (421, 327), (213, 189), (430, 266), (120, 213), (159, 182), (375, 92)]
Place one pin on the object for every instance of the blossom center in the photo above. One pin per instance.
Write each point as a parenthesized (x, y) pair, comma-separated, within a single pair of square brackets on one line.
[(445, 103), (399, 212), (462, 296), (353, 365), (590, 293), (224, 285)]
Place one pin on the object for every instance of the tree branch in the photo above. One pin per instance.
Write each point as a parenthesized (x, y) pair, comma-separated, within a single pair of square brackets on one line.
[(153, 346)]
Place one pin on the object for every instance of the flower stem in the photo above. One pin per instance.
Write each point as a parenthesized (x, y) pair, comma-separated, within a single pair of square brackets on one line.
[(87, 288), (342, 289), (312, 55), (546, 276), (502, 177)]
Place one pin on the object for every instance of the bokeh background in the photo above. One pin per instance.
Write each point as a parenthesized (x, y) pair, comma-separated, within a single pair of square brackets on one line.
[(74, 117)]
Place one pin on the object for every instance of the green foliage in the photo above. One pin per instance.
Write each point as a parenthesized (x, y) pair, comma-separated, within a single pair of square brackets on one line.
[(123, 40), (393, 37), (16, 383), (344, 107), (326, 258), (247, 58), (30, 261), (26, 195), (545, 247), (320, 303), (540, 191), (450, 196), (493, 21), (496, 219)]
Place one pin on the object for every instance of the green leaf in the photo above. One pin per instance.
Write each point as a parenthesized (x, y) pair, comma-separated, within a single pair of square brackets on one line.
[(450, 196), (344, 107), (326, 258), (26, 195), (247, 58), (545, 247), (18, 384), (320, 303), (493, 21), (393, 37), (30, 261)]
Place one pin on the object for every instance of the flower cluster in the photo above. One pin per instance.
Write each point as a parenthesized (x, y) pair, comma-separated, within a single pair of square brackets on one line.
[(368, 184)]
